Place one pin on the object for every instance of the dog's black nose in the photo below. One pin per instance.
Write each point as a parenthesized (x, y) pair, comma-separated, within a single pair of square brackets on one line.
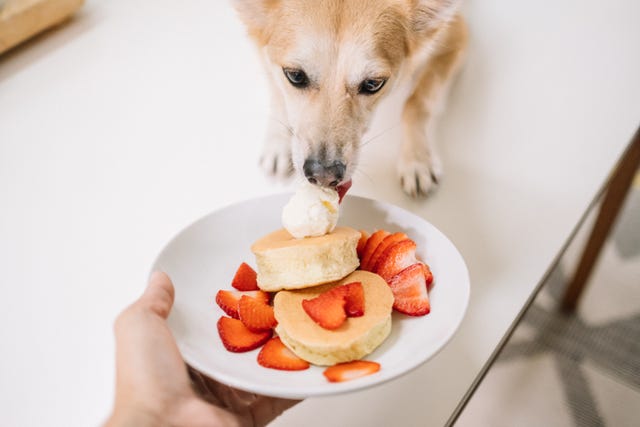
[(325, 175)]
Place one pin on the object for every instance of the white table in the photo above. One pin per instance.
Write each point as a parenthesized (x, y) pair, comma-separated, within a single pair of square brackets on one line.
[(135, 119)]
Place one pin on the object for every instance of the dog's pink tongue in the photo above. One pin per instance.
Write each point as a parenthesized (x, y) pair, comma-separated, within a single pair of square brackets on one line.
[(342, 189)]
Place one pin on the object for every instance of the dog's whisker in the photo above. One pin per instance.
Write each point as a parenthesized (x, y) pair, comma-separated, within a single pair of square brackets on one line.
[(284, 125), (359, 171), (378, 135)]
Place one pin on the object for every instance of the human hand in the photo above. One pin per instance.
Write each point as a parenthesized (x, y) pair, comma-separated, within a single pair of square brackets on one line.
[(154, 387)]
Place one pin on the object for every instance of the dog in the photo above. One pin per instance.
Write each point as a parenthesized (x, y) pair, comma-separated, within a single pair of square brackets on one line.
[(330, 62)]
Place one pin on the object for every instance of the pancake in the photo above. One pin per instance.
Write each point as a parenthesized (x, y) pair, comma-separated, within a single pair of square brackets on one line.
[(353, 340), (284, 262)]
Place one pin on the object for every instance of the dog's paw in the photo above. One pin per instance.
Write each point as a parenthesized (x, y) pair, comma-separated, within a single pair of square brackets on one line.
[(275, 161), (419, 178)]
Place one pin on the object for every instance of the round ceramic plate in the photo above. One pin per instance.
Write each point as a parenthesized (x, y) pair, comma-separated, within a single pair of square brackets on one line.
[(203, 258)]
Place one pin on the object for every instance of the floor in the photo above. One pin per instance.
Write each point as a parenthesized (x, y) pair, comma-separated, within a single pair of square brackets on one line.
[(580, 370)]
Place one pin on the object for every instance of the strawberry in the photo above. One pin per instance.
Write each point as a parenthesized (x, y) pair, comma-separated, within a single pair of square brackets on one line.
[(256, 315), (237, 338), (354, 302), (327, 309), (276, 355), (409, 289), (369, 248), (245, 279), (228, 300), (396, 258), (363, 241), (342, 190), (350, 370), (388, 241), (428, 275)]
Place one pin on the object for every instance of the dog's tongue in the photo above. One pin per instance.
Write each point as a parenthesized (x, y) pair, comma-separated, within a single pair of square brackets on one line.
[(342, 189)]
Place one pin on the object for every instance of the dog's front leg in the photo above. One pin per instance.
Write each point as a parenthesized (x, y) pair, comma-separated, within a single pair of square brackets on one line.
[(419, 166), (275, 159)]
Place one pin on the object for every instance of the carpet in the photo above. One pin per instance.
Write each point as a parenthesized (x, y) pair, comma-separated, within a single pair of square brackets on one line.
[(581, 369)]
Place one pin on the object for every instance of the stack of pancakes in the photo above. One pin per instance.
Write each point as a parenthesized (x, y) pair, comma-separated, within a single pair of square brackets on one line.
[(299, 269)]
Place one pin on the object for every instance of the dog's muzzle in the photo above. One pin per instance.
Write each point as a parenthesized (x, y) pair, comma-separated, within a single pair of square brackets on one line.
[(324, 174)]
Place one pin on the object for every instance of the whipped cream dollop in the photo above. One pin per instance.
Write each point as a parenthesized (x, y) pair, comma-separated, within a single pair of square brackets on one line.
[(311, 211)]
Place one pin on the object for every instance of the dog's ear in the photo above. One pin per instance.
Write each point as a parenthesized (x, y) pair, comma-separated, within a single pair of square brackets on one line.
[(429, 14), (255, 14)]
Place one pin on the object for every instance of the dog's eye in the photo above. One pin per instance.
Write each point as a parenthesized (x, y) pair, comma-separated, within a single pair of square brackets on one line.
[(371, 86), (296, 77)]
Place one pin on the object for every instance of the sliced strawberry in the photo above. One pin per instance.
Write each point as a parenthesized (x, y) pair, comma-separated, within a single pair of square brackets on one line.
[(342, 189), (369, 248), (387, 242), (428, 275), (350, 370), (362, 242), (276, 355), (396, 258), (327, 309), (409, 289), (238, 338), (255, 314), (245, 279), (228, 300), (354, 302)]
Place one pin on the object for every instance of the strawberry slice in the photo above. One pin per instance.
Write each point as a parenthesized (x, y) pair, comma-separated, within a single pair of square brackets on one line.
[(354, 301), (409, 289), (350, 370), (256, 315), (228, 300), (342, 189), (369, 248), (396, 258), (428, 275), (327, 309), (276, 355), (245, 279), (238, 338), (387, 242), (362, 242)]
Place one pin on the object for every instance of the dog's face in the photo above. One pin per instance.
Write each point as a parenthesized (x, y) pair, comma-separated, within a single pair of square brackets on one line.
[(332, 61)]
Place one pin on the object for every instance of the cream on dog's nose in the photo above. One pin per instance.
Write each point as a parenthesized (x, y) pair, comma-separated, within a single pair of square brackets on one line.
[(324, 174)]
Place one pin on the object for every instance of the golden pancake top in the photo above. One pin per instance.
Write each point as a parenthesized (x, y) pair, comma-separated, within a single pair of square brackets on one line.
[(300, 327), (282, 238)]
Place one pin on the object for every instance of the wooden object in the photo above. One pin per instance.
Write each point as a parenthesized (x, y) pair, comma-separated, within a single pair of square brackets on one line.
[(615, 194), (23, 19)]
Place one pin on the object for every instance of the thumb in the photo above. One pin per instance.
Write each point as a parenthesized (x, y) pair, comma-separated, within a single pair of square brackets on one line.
[(159, 294)]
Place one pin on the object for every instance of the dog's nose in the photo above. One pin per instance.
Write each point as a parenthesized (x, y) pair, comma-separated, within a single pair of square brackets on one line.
[(325, 175)]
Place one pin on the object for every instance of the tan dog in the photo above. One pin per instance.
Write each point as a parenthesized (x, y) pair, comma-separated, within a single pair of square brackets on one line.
[(330, 62)]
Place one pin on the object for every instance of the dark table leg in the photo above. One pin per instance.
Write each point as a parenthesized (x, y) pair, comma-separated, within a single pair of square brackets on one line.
[(617, 189)]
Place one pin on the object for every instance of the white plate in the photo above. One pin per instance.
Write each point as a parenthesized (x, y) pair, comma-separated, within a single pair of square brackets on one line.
[(204, 257)]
